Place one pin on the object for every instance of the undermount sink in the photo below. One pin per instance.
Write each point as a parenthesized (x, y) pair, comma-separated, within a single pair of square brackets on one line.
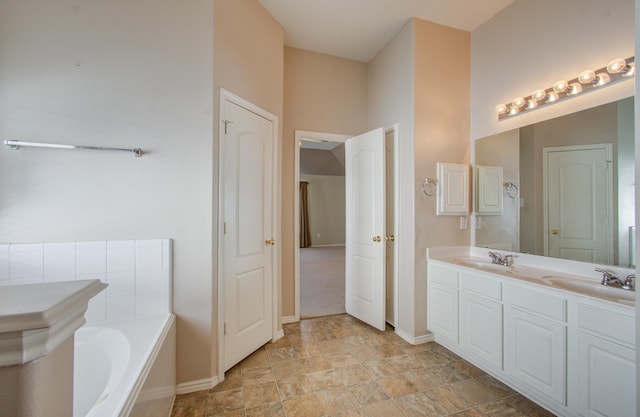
[(593, 287)]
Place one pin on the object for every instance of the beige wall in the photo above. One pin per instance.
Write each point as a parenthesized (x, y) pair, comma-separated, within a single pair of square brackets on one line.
[(508, 62), (441, 100), (326, 209), (322, 93), (248, 58), (127, 74)]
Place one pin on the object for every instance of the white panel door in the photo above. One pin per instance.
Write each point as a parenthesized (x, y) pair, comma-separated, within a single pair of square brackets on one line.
[(579, 187), (248, 235), (365, 224)]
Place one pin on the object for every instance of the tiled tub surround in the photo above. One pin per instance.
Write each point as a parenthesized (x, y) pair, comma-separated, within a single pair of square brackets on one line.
[(136, 307), (138, 273), (544, 326)]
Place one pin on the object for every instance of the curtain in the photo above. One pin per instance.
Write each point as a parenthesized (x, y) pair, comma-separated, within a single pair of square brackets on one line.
[(305, 232)]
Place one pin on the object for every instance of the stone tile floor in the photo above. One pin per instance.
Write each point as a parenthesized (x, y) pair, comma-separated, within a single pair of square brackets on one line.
[(338, 366)]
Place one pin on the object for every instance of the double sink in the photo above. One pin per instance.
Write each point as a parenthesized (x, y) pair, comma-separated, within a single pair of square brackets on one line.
[(578, 284)]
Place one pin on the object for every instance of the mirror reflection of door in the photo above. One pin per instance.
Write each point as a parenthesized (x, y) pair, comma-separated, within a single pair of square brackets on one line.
[(578, 183)]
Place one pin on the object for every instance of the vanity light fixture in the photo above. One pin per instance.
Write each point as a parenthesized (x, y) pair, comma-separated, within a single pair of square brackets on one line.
[(616, 70)]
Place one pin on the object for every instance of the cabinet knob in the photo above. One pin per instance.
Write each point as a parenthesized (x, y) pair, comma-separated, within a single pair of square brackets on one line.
[(377, 239)]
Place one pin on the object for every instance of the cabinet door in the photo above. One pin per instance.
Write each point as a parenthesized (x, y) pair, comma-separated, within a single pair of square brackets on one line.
[(606, 378), (535, 352), (481, 328), (443, 311)]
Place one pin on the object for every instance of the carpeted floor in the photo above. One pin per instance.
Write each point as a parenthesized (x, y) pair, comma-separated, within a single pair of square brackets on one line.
[(321, 281)]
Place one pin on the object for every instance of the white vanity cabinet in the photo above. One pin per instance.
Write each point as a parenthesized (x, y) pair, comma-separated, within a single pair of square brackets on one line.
[(443, 302), (572, 353), (535, 339), (606, 361), (481, 318)]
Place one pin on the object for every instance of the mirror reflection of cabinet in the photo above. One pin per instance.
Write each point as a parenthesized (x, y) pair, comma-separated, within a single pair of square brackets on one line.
[(489, 190)]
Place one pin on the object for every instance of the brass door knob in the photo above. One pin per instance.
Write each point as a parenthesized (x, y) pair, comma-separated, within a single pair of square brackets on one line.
[(390, 238), (377, 239), (554, 231), (270, 242)]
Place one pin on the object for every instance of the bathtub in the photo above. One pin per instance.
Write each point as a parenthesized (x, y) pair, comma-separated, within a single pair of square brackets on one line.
[(125, 368)]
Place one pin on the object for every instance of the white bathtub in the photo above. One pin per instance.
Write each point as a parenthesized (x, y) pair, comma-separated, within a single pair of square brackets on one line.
[(125, 368)]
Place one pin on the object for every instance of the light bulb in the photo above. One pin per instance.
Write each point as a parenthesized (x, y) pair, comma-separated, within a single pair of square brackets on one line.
[(553, 96), (518, 102), (586, 77), (574, 89), (538, 95), (501, 109), (532, 104), (560, 86), (602, 79), (630, 70), (513, 111), (616, 66)]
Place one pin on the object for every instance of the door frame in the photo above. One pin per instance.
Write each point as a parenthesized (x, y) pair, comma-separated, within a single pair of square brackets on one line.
[(275, 253), (608, 147), (302, 134)]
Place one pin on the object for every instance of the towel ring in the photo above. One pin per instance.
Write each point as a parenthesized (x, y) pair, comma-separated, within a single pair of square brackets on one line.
[(429, 186), (511, 189)]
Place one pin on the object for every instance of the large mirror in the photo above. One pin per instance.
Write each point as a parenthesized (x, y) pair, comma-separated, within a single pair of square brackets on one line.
[(566, 187)]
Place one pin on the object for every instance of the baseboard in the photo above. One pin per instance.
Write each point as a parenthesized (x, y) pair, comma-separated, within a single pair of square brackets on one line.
[(197, 385), (289, 319), (418, 340), (279, 335)]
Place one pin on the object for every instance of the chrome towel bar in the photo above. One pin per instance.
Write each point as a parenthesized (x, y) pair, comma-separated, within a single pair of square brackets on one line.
[(16, 144)]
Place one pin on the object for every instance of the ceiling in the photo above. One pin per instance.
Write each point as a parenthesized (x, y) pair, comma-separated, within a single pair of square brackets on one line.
[(358, 29)]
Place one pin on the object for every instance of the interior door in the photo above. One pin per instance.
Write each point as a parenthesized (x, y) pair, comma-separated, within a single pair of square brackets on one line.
[(365, 228), (248, 253), (579, 203)]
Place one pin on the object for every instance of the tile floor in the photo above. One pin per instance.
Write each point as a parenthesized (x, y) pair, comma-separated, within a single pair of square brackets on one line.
[(337, 366)]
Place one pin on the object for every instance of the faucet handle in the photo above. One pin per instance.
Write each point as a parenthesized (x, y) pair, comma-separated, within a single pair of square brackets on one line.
[(630, 282), (606, 275)]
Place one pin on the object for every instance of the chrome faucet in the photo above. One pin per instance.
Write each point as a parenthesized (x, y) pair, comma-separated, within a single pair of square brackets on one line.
[(611, 280), (630, 282), (498, 259)]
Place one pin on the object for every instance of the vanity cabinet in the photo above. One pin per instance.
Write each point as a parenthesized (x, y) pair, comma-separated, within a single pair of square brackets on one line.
[(573, 354), (606, 374), (535, 339), (443, 302), (481, 318)]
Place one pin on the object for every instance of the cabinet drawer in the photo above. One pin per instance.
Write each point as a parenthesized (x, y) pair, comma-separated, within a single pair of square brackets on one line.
[(617, 327), (487, 287), (445, 275), (536, 302)]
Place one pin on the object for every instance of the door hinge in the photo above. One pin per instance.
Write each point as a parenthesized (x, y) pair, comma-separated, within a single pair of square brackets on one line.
[(225, 328), (226, 125), (224, 228)]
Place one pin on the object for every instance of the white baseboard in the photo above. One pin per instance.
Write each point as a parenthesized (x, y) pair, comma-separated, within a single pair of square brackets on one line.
[(418, 340), (289, 319), (197, 385), (279, 335)]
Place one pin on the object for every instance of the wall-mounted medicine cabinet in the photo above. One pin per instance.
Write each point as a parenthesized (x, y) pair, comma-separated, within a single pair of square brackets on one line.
[(489, 190), (453, 189)]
